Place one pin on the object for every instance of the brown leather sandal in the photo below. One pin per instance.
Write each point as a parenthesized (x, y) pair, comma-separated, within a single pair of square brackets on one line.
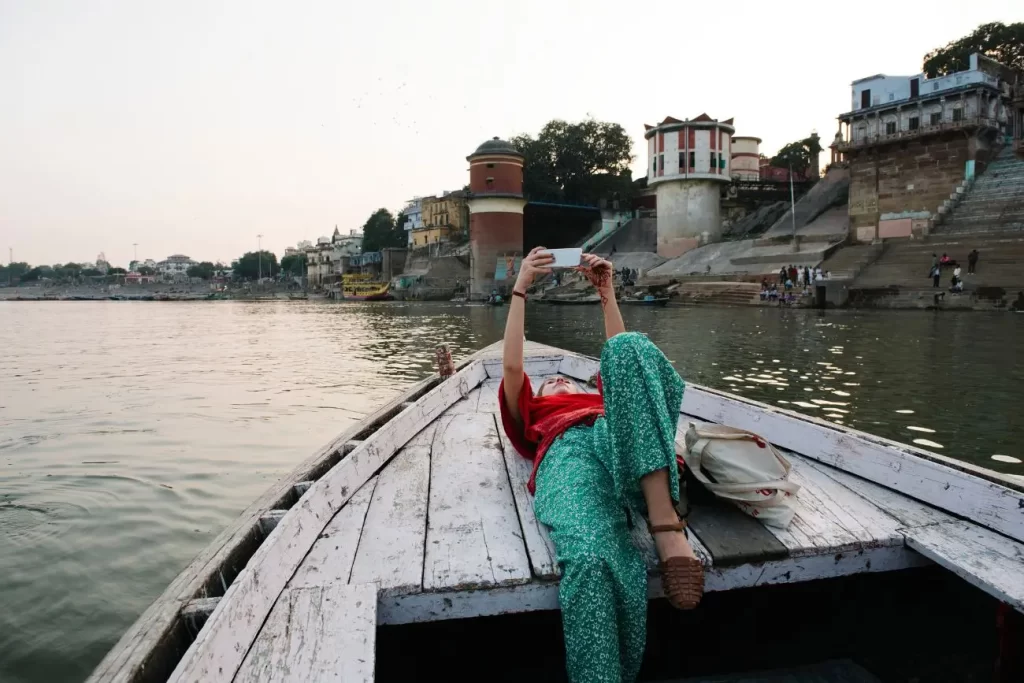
[(682, 578)]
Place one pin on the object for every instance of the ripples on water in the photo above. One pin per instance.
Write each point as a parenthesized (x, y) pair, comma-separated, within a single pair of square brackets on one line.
[(132, 433)]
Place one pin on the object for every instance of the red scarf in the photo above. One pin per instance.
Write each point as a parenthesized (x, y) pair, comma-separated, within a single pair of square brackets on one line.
[(545, 418)]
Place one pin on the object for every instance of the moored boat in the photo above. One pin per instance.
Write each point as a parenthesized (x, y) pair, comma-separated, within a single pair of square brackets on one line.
[(574, 301), (645, 301), (359, 287), (419, 515)]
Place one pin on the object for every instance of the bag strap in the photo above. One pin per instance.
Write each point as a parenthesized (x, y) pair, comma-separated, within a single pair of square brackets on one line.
[(743, 435), (781, 486)]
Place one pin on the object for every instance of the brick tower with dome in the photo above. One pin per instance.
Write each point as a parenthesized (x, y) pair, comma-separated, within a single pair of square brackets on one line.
[(495, 214)]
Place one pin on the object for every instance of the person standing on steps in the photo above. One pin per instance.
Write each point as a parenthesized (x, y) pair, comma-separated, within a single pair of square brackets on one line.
[(972, 262), (599, 460), (936, 275)]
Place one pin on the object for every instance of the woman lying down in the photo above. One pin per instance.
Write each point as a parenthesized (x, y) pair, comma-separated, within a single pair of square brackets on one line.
[(595, 457)]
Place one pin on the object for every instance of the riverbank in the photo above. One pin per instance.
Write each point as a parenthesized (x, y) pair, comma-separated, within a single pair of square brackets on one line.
[(153, 292)]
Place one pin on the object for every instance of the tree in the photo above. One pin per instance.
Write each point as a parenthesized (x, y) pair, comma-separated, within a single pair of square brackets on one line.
[(380, 232), (203, 270), (1003, 43), (14, 271), (580, 162), (294, 264), (116, 271), (146, 270), (798, 155), (248, 267)]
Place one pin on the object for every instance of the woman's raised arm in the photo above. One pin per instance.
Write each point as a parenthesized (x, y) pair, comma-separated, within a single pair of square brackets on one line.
[(600, 273), (535, 263)]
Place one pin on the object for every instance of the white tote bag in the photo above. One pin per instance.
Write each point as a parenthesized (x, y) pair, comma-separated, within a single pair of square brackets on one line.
[(742, 468)]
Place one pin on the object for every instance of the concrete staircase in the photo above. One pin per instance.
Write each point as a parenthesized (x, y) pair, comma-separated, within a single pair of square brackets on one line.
[(995, 202), (905, 263), (847, 263), (831, 191), (638, 234), (718, 293)]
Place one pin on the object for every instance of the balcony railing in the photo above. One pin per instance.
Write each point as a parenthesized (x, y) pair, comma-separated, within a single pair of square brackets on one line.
[(923, 131)]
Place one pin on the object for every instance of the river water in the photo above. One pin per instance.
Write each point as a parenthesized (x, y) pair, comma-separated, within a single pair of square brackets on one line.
[(132, 433)]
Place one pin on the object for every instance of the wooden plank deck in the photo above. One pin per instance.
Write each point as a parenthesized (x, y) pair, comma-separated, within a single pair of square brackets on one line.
[(316, 633), (471, 545), (431, 512)]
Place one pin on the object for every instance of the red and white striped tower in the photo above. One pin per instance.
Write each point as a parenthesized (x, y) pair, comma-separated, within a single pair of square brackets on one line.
[(687, 163), (495, 211)]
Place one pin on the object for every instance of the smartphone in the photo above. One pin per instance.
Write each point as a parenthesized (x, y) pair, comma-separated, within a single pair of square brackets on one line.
[(566, 258)]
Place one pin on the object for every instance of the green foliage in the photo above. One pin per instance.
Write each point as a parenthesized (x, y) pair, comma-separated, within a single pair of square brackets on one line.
[(579, 162), (90, 272), (14, 272), (117, 271), (295, 264), (204, 270), (798, 155), (248, 267), (146, 270), (1001, 42), (380, 232)]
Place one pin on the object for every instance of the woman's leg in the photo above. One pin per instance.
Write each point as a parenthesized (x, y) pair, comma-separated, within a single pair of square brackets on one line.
[(642, 396), (603, 591)]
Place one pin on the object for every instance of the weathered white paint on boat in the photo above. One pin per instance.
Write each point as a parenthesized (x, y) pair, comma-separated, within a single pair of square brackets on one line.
[(473, 533), (330, 559), (540, 596), (538, 543), (316, 633), (983, 558), (903, 469), (231, 629), (391, 546), (153, 643)]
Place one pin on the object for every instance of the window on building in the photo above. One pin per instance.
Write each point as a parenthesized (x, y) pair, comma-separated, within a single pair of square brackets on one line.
[(958, 114), (661, 163), (935, 118), (914, 123), (682, 161), (693, 159), (865, 98), (654, 165), (890, 128), (714, 161), (892, 96)]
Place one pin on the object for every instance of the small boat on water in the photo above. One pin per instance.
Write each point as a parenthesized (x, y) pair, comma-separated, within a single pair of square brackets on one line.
[(574, 301), (360, 287), (645, 301), (407, 549)]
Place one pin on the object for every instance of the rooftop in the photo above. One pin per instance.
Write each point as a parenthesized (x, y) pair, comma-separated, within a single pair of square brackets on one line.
[(496, 146)]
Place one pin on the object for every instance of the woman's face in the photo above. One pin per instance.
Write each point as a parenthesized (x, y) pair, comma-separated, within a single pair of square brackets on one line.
[(553, 386)]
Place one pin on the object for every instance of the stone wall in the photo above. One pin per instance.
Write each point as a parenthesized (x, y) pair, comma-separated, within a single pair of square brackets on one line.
[(905, 178)]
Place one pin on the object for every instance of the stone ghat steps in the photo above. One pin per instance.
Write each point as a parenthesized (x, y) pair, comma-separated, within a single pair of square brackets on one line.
[(906, 264), (850, 260), (719, 293), (995, 202)]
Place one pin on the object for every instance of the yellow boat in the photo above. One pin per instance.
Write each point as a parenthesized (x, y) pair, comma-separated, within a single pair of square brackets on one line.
[(360, 287)]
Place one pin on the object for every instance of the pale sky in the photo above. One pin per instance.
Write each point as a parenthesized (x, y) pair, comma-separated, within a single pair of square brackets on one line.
[(192, 126)]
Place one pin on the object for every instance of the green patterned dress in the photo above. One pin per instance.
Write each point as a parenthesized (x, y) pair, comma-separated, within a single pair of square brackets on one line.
[(585, 483)]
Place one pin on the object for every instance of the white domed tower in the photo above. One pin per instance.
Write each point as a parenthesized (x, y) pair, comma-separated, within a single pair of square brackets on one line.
[(495, 211), (687, 163)]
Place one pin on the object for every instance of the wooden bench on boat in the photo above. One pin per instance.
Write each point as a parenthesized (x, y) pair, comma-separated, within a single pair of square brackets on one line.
[(421, 513)]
